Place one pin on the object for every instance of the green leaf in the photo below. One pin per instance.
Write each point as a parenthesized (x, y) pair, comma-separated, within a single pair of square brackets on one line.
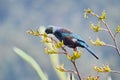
[(32, 62)]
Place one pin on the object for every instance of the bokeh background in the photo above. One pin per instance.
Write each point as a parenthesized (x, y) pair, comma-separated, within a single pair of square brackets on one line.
[(18, 16)]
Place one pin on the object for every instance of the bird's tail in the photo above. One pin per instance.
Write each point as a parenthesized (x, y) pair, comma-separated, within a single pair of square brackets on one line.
[(89, 50)]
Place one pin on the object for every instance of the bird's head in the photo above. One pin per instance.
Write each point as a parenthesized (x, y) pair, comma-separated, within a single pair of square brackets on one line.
[(51, 29)]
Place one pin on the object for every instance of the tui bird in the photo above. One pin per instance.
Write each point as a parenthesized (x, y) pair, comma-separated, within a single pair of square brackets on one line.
[(70, 39)]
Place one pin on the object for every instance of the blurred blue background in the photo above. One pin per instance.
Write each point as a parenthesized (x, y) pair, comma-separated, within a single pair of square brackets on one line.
[(18, 16)]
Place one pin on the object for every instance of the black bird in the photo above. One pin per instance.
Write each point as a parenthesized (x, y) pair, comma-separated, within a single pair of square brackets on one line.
[(70, 39)]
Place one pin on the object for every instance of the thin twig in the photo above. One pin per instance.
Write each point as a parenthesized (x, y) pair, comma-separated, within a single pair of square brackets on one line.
[(115, 72), (62, 53), (73, 62), (109, 45), (71, 71), (103, 29), (116, 34), (70, 76)]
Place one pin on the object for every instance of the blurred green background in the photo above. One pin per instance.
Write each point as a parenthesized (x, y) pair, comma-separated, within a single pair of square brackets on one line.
[(18, 16)]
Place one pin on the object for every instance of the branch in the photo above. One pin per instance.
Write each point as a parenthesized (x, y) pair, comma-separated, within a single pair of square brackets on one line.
[(74, 64), (109, 31)]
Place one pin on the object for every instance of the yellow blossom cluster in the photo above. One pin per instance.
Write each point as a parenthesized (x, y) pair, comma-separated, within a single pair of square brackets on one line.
[(53, 47), (86, 12), (104, 68), (95, 28), (92, 78), (59, 44), (51, 51), (74, 56), (118, 29), (98, 42), (103, 16), (61, 68), (35, 33)]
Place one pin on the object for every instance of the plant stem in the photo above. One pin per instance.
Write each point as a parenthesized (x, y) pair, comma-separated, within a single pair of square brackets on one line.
[(115, 34), (70, 76), (112, 36), (73, 62), (110, 45), (115, 72), (110, 32)]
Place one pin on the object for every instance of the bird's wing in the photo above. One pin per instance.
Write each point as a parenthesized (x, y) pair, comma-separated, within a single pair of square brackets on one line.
[(66, 33), (79, 40), (70, 35), (77, 37)]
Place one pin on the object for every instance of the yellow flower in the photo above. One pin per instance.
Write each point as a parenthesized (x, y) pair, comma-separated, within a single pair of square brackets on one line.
[(92, 78), (61, 68), (118, 29), (104, 68), (97, 42), (45, 35), (103, 15), (59, 44), (51, 51), (86, 12), (75, 55), (34, 33), (46, 40), (95, 28)]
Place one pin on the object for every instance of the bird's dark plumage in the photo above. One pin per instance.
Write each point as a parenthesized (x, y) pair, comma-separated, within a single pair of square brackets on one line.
[(70, 39)]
